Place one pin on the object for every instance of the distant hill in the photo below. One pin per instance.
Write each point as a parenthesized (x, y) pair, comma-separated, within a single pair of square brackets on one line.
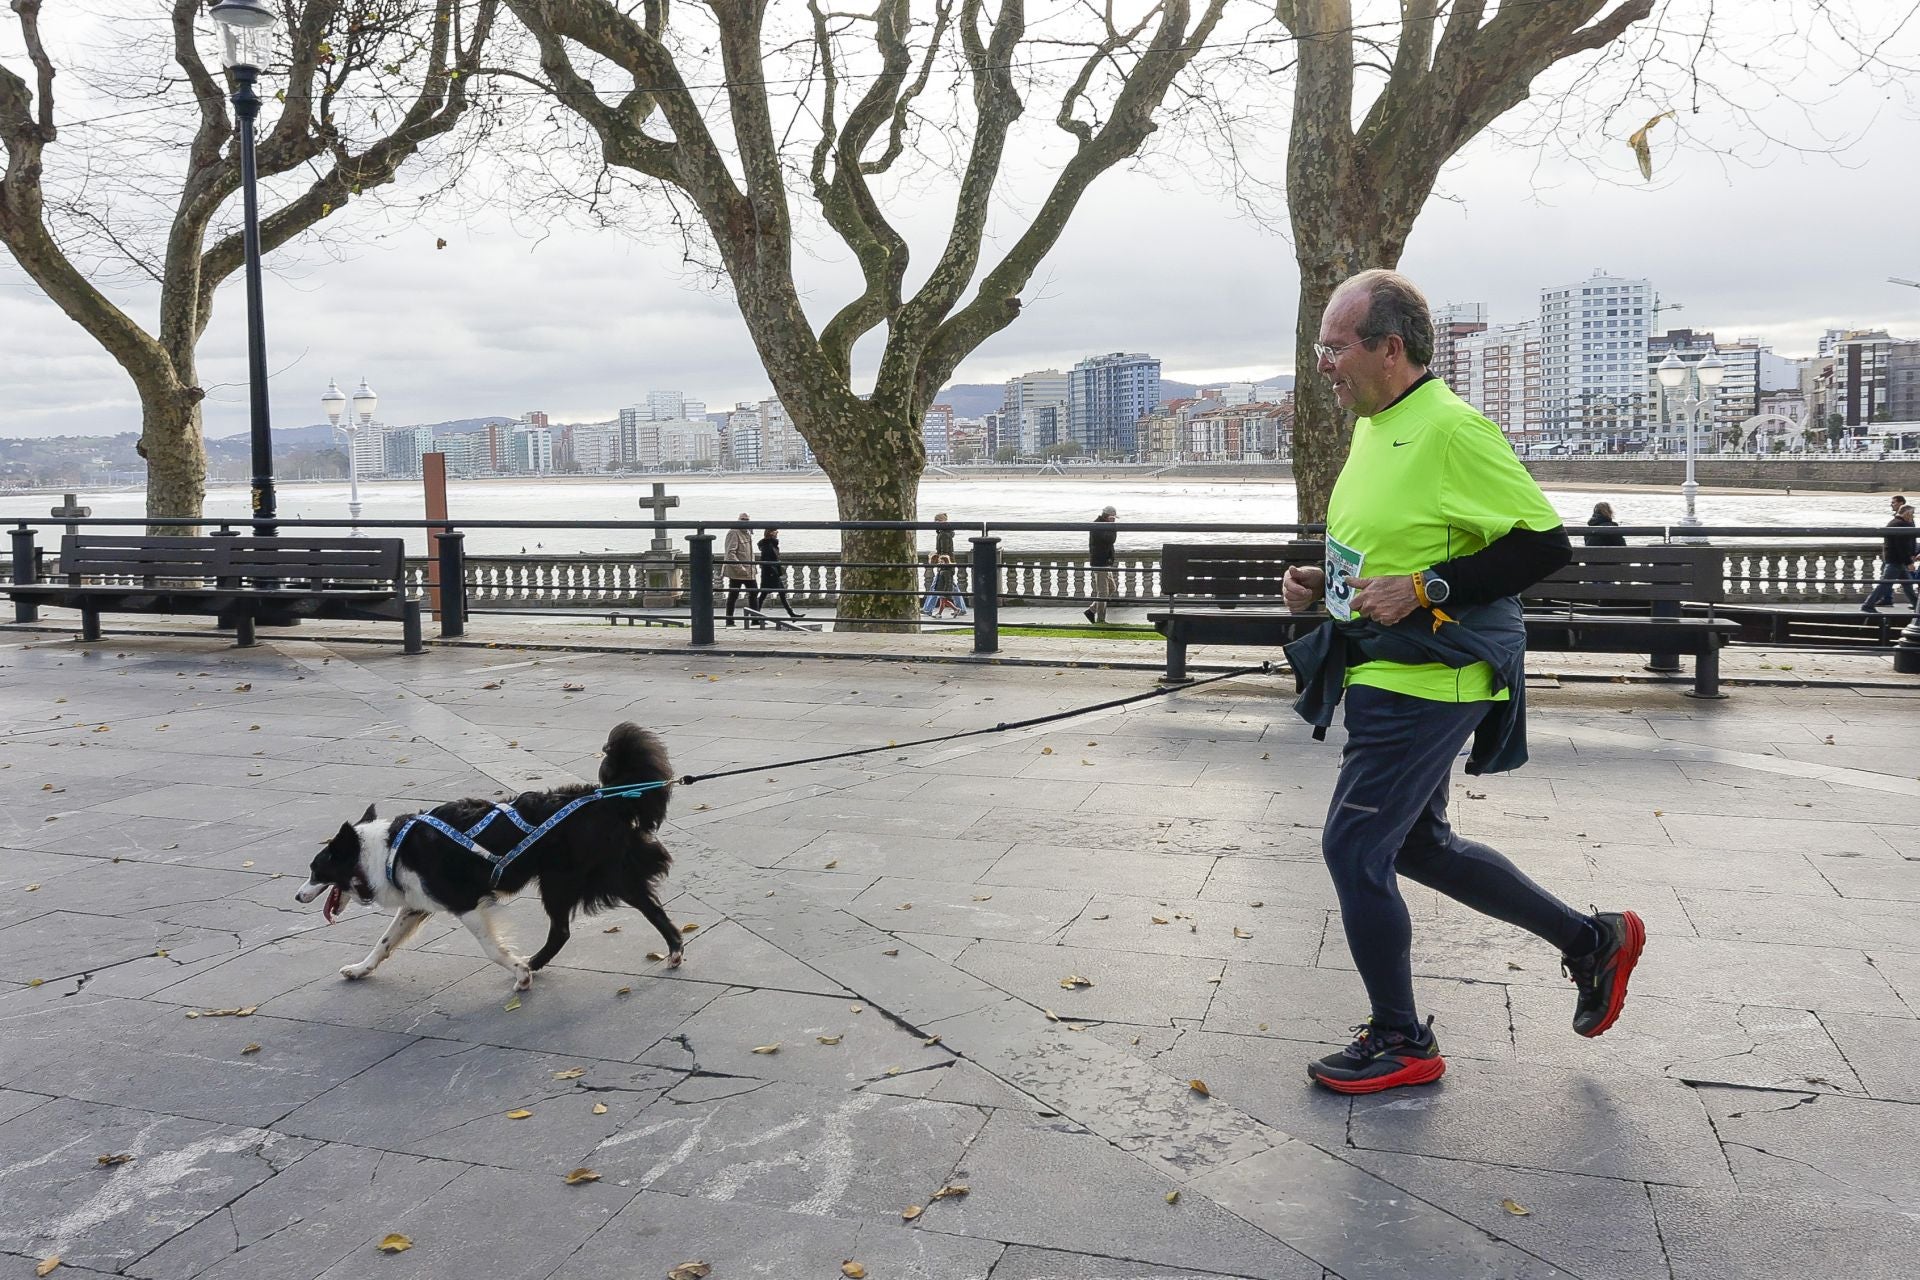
[(973, 399)]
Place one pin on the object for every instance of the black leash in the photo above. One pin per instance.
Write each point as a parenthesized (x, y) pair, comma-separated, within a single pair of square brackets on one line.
[(1002, 727)]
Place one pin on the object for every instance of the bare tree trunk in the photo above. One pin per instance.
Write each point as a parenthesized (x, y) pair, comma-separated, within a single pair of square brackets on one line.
[(171, 442)]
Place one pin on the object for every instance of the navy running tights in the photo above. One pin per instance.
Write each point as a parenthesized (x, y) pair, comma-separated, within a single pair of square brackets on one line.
[(1388, 819)]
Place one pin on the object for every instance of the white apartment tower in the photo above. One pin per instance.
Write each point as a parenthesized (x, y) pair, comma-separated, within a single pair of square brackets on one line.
[(1593, 353)]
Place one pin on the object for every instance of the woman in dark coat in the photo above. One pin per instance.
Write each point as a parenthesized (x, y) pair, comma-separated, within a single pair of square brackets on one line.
[(773, 576), (1602, 517)]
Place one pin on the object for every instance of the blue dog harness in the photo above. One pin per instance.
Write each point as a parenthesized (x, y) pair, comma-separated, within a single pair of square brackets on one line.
[(530, 833)]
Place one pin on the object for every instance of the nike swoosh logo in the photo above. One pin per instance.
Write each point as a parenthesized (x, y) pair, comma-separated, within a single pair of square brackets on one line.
[(1398, 443)]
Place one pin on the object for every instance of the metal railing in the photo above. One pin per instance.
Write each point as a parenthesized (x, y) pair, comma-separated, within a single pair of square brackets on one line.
[(1764, 565)]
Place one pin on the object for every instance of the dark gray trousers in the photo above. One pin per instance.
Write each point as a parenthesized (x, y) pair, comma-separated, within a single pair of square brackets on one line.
[(1388, 818)]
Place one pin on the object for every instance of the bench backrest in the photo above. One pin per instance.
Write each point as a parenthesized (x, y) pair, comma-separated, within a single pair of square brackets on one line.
[(312, 562), (1231, 571), (1596, 575)]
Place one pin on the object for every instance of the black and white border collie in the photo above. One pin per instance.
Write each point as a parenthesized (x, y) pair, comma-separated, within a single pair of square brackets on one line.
[(601, 855)]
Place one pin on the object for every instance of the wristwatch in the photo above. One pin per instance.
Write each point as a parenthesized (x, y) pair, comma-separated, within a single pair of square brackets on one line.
[(1430, 589)]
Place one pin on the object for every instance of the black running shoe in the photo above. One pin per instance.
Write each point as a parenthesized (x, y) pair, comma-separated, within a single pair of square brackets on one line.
[(1379, 1060), (1602, 976)]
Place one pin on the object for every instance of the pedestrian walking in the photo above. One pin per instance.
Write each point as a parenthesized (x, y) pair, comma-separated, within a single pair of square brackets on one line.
[(1100, 557), (1602, 518), (943, 599), (773, 577), (1433, 529), (1896, 560), (737, 565), (943, 536)]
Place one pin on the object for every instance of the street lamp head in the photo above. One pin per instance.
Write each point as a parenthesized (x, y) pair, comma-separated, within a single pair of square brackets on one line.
[(1710, 371), (334, 402), (1672, 372), (364, 402), (245, 27)]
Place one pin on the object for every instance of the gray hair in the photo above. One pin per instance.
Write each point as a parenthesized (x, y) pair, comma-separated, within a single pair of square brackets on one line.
[(1395, 309)]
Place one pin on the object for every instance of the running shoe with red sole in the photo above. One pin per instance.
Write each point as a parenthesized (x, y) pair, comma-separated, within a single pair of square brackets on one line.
[(1601, 978), (1378, 1060)]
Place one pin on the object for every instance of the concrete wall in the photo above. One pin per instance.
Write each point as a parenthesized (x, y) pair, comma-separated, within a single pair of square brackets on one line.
[(1842, 475)]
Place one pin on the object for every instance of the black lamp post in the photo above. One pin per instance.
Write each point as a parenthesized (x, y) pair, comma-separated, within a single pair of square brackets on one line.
[(245, 27)]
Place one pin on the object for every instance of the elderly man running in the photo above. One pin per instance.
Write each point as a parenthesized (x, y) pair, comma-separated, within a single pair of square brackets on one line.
[(1433, 530)]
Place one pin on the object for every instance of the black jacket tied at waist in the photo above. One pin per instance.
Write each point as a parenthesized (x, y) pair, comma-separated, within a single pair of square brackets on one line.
[(1493, 633)]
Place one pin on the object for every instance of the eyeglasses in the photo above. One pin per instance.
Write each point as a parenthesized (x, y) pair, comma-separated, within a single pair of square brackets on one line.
[(1322, 351)]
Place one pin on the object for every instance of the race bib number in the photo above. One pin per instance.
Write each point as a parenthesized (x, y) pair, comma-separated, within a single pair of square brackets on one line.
[(1343, 566)]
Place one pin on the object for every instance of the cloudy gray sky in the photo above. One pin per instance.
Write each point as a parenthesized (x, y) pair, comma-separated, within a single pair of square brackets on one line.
[(1779, 245)]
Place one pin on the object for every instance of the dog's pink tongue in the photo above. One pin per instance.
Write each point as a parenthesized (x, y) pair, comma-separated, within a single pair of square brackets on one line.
[(332, 907)]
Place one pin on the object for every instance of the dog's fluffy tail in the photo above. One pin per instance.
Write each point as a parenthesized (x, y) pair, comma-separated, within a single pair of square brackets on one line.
[(634, 755)]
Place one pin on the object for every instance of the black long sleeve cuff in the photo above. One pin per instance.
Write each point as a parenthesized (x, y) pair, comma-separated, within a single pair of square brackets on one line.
[(1506, 566)]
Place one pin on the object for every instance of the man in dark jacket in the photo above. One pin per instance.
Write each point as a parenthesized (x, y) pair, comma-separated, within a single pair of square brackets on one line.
[(1100, 558), (1433, 528), (1896, 560)]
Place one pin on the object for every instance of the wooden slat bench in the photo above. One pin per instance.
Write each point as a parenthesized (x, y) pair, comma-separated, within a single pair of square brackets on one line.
[(248, 581), (1607, 600)]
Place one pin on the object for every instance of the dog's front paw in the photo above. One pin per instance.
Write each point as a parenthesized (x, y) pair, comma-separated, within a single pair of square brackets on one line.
[(355, 972), (522, 978), (673, 961)]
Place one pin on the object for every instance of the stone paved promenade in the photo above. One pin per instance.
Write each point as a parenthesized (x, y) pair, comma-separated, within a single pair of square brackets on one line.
[(902, 927)]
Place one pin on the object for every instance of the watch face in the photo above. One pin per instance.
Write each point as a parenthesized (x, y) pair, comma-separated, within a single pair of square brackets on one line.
[(1437, 589)]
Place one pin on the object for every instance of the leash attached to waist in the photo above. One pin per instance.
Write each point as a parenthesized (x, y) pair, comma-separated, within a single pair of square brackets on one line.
[(531, 834)]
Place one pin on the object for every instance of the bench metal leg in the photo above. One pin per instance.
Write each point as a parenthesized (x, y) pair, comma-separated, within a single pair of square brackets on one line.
[(243, 630), (410, 625), (1664, 661), (89, 623), (1706, 675), (1176, 662)]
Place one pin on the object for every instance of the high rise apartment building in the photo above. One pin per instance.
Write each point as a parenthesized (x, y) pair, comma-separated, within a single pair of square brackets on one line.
[(1107, 396), (1498, 371), (745, 443), (1033, 413), (1451, 323), (1593, 352), (781, 445), (936, 432)]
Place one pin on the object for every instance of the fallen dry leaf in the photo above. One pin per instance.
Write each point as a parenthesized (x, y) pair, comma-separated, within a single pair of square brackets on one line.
[(612, 928), (828, 1039), (983, 897), (1074, 980), (688, 928), (905, 906), (30, 888), (768, 1048), (853, 1270), (656, 955), (1173, 1197), (831, 865), (1256, 904), (856, 1008), (491, 684), (1200, 1087), (931, 1040), (579, 1176), (118, 1158), (252, 1048), (892, 1071), (690, 1271), (571, 1073), (48, 1264), (891, 951), (1238, 932), (394, 1243), (245, 1012), (243, 688), (1517, 1209), (512, 1004), (911, 1212), (1159, 919), (573, 688), (1046, 751), (599, 1108), (1051, 1015), (952, 1189), (520, 1113), (624, 991)]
